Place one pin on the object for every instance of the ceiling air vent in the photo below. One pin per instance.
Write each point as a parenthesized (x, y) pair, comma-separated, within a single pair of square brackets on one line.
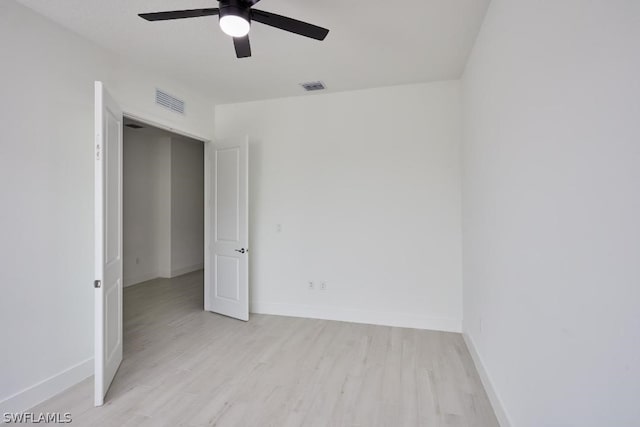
[(170, 102), (133, 126), (313, 86)]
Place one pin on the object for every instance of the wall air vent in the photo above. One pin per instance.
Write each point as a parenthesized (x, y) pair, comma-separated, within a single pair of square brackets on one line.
[(313, 86), (169, 101)]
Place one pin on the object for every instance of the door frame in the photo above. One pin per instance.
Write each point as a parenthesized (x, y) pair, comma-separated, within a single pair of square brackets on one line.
[(208, 146)]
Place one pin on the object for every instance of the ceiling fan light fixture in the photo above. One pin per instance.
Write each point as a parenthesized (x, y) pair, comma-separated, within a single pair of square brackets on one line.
[(235, 26), (235, 20)]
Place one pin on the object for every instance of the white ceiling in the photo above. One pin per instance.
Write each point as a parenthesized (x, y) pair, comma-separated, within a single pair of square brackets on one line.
[(371, 43)]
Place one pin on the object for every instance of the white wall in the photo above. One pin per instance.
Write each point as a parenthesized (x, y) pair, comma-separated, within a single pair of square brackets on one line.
[(551, 206), (187, 206), (163, 201), (146, 206), (46, 183), (163, 208), (365, 185)]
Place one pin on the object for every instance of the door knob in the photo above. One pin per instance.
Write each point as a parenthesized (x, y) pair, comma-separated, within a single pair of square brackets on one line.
[(243, 250)]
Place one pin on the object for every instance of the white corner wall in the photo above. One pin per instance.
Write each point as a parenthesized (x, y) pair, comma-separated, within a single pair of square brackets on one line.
[(551, 204), (146, 207), (163, 205), (187, 206), (365, 188), (46, 182)]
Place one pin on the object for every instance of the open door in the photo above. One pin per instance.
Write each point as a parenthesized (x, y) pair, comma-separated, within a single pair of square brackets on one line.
[(227, 284), (108, 240)]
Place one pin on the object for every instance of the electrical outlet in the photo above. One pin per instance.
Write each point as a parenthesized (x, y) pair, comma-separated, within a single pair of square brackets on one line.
[(278, 228), (323, 286), (311, 286)]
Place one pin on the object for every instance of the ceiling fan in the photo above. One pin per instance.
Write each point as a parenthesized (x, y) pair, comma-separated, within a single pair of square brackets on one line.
[(235, 20)]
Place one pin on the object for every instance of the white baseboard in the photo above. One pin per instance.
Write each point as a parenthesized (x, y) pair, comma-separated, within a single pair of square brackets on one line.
[(403, 320), (134, 280), (46, 389), (187, 269), (166, 274), (496, 403)]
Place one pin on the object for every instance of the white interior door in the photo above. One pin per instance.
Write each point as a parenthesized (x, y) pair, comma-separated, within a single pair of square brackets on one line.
[(227, 284), (108, 240)]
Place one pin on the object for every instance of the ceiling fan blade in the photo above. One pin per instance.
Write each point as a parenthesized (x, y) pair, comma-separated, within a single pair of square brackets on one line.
[(289, 24), (179, 14), (243, 48)]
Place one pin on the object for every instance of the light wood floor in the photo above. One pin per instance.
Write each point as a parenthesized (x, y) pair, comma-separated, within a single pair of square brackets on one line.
[(186, 367)]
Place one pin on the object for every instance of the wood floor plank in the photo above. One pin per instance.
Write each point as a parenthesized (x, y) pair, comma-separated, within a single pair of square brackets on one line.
[(186, 367)]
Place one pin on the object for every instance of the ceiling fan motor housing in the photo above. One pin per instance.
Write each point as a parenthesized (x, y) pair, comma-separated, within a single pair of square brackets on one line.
[(234, 8)]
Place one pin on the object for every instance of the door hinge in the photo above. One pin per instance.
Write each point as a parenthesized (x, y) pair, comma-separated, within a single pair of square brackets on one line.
[(97, 283), (97, 151)]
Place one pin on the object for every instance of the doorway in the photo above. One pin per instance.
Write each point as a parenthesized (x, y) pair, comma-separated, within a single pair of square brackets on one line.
[(225, 248), (162, 204)]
